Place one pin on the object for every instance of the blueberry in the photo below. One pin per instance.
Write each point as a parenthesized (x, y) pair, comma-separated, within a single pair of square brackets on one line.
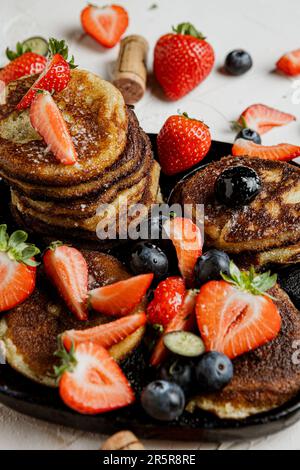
[(163, 400), (238, 62), (249, 134), (213, 371), (210, 265), (179, 371), (148, 258), (237, 186)]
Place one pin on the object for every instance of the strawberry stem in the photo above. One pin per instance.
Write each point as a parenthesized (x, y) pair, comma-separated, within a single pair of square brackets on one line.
[(250, 281), (60, 47), (188, 29), (68, 359), (16, 247), (20, 50)]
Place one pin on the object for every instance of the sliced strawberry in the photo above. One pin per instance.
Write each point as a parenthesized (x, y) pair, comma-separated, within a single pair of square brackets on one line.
[(236, 317), (105, 24), (167, 301), (48, 121), (290, 63), (68, 270), (91, 381), (184, 320), (284, 152), (187, 239), (262, 118), (17, 268), (105, 335), (55, 76), (122, 297)]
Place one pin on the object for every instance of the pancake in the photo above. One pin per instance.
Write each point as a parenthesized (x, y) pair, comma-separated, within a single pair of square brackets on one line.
[(96, 116), (136, 152), (265, 378), (30, 330), (68, 229), (270, 221), (86, 207)]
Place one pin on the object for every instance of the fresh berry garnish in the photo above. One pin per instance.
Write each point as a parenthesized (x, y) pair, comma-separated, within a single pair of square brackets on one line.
[(122, 297), (182, 60), (55, 76), (148, 258), (238, 62), (213, 372), (163, 400), (47, 120), (237, 315), (210, 265), (181, 143), (17, 268), (68, 270), (281, 152), (90, 381), (237, 186), (184, 320), (106, 335), (105, 24), (167, 301), (262, 118), (249, 134), (180, 371), (22, 62), (289, 63), (187, 239)]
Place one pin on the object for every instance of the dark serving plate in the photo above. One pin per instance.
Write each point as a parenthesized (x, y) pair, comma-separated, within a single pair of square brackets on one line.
[(38, 401)]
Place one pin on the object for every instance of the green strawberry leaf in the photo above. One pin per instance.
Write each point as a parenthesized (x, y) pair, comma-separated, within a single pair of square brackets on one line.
[(68, 359), (250, 281), (3, 237), (189, 29)]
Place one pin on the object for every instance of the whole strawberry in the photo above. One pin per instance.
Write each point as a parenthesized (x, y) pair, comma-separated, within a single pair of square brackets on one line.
[(22, 62), (182, 60), (167, 301), (182, 142)]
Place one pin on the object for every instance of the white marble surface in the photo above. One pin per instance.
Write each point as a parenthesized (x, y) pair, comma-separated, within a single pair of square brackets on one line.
[(266, 28)]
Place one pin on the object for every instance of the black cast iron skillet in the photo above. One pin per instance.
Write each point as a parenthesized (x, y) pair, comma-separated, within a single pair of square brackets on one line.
[(41, 402)]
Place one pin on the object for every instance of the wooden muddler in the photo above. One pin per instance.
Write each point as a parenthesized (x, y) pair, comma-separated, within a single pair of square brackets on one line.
[(130, 75)]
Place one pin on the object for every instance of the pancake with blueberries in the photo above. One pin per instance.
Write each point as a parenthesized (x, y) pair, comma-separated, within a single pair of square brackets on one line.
[(30, 330), (267, 227), (264, 378)]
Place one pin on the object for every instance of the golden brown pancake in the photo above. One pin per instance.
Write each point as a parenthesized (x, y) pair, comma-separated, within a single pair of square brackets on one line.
[(30, 330), (96, 116), (68, 229), (271, 220), (134, 158), (265, 378)]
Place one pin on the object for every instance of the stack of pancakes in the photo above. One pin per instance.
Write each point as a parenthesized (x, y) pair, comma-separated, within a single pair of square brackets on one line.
[(115, 162), (265, 231)]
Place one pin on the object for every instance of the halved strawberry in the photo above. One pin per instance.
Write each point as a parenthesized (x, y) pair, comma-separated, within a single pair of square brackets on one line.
[(68, 270), (17, 268), (167, 301), (237, 316), (262, 118), (91, 381), (105, 24), (122, 297), (55, 76), (105, 335), (284, 152), (23, 62), (187, 239), (184, 320), (290, 63), (48, 121)]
